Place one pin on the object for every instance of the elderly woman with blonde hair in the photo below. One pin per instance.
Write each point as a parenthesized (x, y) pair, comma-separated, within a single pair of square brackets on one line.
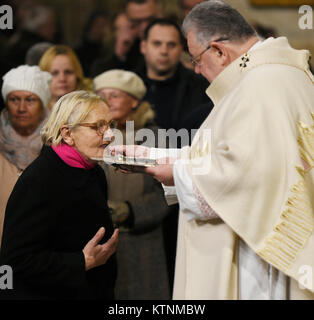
[(137, 202), (66, 70), (58, 236)]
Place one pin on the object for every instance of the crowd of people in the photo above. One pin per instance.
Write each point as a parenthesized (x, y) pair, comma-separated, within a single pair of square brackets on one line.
[(143, 80), (74, 227)]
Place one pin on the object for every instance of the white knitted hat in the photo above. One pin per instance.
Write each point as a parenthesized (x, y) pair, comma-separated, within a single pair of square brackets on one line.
[(126, 81), (28, 78)]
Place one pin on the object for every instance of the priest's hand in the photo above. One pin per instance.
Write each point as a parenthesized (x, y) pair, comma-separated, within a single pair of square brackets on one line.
[(163, 172), (97, 254)]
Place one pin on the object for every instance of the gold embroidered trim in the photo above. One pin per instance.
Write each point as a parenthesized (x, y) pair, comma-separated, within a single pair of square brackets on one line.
[(202, 150), (245, 59), (297, 221), (306, 145)]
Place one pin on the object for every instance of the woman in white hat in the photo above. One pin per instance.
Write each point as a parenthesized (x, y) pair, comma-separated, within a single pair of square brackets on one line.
[(25, 91), (136, 201), (124, 91)]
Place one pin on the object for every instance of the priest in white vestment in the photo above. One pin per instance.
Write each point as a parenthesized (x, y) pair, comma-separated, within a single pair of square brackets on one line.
[(246, 185)]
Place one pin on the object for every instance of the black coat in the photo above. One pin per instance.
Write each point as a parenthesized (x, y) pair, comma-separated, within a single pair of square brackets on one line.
[(175, 99), (133, 61), (88, 52), (53, 211)]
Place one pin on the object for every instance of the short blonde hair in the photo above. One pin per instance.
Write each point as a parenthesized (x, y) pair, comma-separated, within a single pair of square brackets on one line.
[(51, 53), (70, 110)]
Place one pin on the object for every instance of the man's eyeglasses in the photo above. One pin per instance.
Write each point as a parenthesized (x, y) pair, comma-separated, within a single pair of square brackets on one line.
[(196, 60), (100, 126)]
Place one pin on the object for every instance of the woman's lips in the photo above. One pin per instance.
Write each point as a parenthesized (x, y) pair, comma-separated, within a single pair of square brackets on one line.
[(114, 109), (63, 88), (23, 118), (105, 145)]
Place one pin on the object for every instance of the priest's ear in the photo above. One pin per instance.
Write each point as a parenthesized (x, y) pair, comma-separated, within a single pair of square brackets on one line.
[(66, 135), (221, 53)]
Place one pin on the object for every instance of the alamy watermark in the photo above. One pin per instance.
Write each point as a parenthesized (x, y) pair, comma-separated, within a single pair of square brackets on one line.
[(306, 19), (200, 157), (6, 17), (6, 277), (306, 277)]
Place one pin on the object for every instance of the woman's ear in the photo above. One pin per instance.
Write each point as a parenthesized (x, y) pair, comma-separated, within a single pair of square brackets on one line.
[(67, 136), (135, 103)]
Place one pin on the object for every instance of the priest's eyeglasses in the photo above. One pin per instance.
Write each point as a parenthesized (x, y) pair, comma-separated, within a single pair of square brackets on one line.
[(196, 60), (100, 126)]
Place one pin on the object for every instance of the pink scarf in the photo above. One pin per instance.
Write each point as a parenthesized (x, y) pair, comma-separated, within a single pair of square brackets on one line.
[(72, 157)]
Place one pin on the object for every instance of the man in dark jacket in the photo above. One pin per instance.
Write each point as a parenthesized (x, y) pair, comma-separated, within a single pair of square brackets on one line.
[(178, 98), (173, 90)]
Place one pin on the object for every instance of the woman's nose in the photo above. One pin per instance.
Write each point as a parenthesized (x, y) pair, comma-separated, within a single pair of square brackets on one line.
[(108, 135), (62, 76), (22, 106)]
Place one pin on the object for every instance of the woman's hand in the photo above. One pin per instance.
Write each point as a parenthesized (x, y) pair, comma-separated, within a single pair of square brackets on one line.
[(97, 254)]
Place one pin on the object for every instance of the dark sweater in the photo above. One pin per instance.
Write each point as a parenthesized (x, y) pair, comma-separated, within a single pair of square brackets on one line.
[(53, 211), (175, 98)]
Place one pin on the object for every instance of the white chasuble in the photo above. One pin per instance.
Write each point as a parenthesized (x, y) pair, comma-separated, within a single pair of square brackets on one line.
[(252, 162)]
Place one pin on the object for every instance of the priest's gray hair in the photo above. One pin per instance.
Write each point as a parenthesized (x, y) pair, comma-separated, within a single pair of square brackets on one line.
[(215, 19)]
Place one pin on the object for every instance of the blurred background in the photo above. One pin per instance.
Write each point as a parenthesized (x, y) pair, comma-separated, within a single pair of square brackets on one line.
[(68, 19), (75, 40)]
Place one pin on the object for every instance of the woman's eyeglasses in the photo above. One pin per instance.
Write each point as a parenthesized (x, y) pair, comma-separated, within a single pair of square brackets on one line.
[(100, 126)]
